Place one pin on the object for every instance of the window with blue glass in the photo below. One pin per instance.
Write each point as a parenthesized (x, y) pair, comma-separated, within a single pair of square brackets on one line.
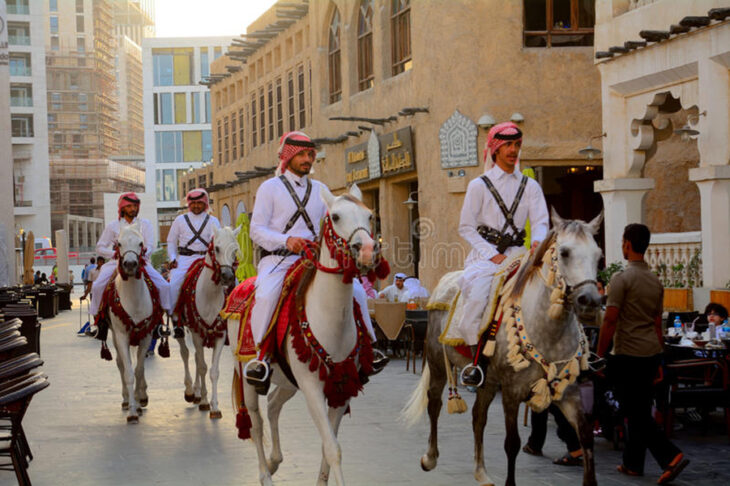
[(166, 113), (207, 145), (207, 107), (53, 5), (54, 24), (162, 67), (204, 64)]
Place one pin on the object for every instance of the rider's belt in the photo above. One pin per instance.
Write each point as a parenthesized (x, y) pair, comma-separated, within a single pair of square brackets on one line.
[(501, 240), (283, 252), (188, 252)]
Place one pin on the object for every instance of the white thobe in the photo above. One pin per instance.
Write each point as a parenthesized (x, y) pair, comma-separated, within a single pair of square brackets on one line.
[(105, 248), (179, 236), (480, 208), (272, 210), (394, 294)]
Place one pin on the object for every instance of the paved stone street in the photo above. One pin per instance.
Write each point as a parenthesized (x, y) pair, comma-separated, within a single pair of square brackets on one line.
[(79, 435)]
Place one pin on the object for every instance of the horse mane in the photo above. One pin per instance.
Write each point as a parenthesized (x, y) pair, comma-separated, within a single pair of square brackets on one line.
[(575, 227), (353, 199), (309, 273)]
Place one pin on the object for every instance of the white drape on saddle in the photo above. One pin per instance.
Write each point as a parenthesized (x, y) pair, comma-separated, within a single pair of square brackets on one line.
[(447, 295)]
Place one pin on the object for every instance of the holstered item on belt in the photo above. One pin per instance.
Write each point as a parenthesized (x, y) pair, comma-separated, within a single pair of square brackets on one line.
[(103, 325), (282, 252), (501, 240), (188, 252)]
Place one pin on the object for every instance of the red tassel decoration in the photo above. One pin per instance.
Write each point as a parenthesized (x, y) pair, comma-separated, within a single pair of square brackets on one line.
[(164, 349), (322, 372), (313, 364), (105, 353), (243, 423)]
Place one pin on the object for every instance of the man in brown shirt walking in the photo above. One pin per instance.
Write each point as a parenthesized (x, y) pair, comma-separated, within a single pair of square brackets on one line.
[(633, 322)]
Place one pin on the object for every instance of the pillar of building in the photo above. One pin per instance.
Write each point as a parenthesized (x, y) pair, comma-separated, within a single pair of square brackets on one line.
[(74, 231), (85, 234), (624, 197)]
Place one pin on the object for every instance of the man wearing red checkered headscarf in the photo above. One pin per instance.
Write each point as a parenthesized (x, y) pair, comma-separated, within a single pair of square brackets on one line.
[(127, 210), (496, 207), (280, 227)]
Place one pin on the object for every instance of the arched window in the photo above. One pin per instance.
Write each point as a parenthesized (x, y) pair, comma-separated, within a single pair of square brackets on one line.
[(400, 29), (225, 215), (365, 45), (240, 209), (334, 58)]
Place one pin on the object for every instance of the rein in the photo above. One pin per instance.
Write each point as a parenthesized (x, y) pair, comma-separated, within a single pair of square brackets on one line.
[(215, 266), (140, 261)]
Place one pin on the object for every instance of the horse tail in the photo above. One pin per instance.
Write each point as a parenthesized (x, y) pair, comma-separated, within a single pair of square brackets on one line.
[(418, 401)]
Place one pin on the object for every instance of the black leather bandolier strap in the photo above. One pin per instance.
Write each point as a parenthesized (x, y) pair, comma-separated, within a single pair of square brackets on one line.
[(301, 206), (501, 239), (196, 234), (187, 252)]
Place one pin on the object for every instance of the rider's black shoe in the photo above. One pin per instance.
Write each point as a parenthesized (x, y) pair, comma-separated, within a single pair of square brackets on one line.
[(473, 376), (380, 360), (179, 332), (259, 377)]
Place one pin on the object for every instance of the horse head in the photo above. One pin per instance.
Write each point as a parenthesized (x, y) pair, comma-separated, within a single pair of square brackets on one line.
[(352, 221), (577, 258), (225, 253), (130, 246)]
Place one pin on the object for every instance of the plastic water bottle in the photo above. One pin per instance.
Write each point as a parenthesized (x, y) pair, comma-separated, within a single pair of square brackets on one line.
[(677, 326)]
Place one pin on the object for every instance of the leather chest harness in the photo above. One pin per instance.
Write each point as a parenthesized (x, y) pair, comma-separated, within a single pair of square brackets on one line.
[(502, 239), (185, 250), (301, 212)]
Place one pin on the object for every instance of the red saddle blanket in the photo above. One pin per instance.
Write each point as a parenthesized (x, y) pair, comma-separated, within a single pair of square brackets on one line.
[(241, 301)]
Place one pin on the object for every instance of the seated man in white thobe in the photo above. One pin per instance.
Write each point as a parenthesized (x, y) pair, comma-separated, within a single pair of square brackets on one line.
[(496, 208), (128, 208), (397, 291), (287, 213), (188, 241)]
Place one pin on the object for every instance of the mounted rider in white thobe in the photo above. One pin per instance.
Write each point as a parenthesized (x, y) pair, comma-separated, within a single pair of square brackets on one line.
[(128, 208), (188, 241), (287, 213), (496, 208)]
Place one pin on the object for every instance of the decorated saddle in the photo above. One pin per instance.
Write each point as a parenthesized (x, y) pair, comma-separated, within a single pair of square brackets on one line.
[(188, 311), (111, 304), (342, 379)]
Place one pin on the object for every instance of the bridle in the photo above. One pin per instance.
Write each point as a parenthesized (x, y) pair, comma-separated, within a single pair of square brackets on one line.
[(120, 257), (215, 265), (562, 292), (341, 250)]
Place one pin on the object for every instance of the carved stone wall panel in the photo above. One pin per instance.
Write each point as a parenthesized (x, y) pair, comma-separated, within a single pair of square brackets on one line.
[(458, 138)]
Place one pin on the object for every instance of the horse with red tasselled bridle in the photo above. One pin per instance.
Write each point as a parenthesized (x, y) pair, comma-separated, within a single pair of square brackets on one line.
[(327, 347)]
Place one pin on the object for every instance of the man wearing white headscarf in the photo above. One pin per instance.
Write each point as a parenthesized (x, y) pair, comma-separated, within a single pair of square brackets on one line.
[(415, 289), (496, 208), (397, 291)]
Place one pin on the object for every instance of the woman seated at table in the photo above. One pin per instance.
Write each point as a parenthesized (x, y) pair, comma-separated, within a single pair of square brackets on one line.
[(716, 313)]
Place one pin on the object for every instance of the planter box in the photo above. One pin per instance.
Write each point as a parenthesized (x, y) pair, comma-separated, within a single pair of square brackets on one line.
[(678, 300), (720, 297)]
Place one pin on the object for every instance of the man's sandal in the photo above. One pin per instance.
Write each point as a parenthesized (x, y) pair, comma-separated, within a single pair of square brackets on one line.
[(625, 470), (529, 450), (672, 471), (569, 460)]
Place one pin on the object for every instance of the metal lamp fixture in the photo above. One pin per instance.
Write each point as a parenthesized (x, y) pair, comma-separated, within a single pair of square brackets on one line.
[(410, 202), (686, 132), (590, 151), (517, 117), (486, 121)]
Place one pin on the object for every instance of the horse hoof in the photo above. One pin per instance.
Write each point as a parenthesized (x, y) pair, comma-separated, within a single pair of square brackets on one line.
[(140, 411), (204, 407), (143, 402), (189, 398), (132, 419), (196, 400), (427, 463), (125, 405), (216, 414)]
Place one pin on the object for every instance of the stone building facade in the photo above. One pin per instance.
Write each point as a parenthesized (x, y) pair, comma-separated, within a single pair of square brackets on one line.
[(425, 81)]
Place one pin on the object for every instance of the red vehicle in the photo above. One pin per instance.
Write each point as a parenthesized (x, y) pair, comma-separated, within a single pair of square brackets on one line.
[(51, 254)]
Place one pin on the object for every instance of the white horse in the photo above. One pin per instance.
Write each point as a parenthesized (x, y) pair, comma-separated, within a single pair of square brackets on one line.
[(553, 290), (206, 327), (329, 311), (138, 317)]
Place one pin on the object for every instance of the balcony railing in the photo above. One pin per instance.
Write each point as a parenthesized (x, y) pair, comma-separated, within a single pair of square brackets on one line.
[(676, 258), (19, 40), (20, 70), (18, 9), (21, 101)]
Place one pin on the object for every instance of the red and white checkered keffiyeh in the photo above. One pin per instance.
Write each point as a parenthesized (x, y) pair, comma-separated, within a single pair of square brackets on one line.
[(288, 151), (506, 129), (198, 194), (126, 199)]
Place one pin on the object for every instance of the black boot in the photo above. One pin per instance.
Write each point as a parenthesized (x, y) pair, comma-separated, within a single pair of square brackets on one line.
[(380, 360), (259, 376), (473, 376), (179, 332)]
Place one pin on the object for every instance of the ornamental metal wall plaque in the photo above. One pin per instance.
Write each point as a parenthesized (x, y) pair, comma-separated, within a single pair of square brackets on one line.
[(458, 137)]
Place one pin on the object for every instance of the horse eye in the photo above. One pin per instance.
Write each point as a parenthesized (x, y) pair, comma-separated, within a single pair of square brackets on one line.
[(141, 244), (370, 217), (335, 217), (217, 249), (564, 253)]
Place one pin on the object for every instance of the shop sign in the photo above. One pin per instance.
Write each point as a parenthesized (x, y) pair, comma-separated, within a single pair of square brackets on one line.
[(356, 160), (396, 155)]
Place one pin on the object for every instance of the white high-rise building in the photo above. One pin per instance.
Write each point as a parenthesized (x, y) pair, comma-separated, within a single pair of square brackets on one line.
[(26, 28), (177, 114)]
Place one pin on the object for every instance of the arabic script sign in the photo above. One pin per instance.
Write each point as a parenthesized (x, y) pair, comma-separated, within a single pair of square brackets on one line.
[(396, 153)]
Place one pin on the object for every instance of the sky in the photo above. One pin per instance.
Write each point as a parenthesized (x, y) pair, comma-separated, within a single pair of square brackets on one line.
[(186, 18)]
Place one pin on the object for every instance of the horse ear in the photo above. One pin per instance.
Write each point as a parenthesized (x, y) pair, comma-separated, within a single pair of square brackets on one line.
[(356, 192), (327, 196), (555, 218), (595, 223), (236, 231)]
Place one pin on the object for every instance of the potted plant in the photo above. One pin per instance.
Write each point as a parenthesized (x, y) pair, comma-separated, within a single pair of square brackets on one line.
[(677, 296)]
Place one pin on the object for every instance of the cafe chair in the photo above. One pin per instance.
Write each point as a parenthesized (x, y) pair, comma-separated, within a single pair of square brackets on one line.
[(416, 323)]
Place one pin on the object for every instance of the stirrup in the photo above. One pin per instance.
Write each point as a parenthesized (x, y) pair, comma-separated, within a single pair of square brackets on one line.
[(467, 367), (596, 364), (253, 378)]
